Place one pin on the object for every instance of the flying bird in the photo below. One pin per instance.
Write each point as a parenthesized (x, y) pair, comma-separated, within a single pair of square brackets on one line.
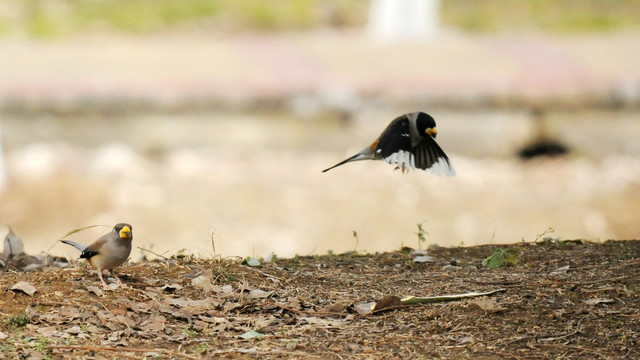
[(108, 252), (409, 143)]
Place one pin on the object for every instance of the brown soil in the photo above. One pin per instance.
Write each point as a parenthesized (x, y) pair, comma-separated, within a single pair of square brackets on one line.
[(310, 307)]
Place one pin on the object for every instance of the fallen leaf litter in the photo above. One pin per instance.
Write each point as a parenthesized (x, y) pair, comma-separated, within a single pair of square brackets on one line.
[(563, 300)]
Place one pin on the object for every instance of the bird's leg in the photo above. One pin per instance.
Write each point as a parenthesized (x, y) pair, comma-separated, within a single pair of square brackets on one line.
[(118, 281), (104, 284)]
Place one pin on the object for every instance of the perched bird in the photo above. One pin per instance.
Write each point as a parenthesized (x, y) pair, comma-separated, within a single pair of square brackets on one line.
[(407, 142), (109, 251)]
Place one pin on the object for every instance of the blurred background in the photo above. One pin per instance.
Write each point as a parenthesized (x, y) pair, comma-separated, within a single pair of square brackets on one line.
[(188, 118)]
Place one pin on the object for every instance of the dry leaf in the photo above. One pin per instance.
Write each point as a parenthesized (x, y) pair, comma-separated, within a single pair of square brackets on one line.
[(560, 271), (386, 302), (24, 287), (468, 339), (202, 282), (47, 331), (251, 335), (597, 301), (74, 330), (194, 306), (213, 319), (95, 290), (226, 289), (336, 308), (171, 288), (365, 308), (120, 310), (423, 259), (145, 307), (259, 294), (483, 304), (154, 323)]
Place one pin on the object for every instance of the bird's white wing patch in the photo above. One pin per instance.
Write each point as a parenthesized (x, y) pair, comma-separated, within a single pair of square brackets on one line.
[(404, 159), (442, 168)]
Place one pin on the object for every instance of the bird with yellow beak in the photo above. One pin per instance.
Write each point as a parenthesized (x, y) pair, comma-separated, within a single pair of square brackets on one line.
[(108, 252), (409, 143)]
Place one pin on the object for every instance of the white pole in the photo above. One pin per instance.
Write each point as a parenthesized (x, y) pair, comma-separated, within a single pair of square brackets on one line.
[(404, 19)]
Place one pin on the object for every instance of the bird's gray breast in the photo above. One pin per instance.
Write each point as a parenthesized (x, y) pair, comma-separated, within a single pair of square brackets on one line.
[(115, 253)]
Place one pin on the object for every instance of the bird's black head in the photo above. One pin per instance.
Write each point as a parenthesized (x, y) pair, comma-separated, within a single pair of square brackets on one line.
[(425, 124)]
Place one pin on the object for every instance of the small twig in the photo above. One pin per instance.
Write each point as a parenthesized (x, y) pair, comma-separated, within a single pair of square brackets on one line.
[(629, 316), (55, 303), (120, 349), (579, 348), (212, 234), (433, 299), (597, 281), (10, 264), (553, 338), (501, 283), (560, 282), (158, 255), (71, 233), (598, 266), (105, 307), (548, 231)]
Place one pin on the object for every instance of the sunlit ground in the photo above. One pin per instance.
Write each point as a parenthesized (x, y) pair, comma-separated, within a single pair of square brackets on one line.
[(255, 181)]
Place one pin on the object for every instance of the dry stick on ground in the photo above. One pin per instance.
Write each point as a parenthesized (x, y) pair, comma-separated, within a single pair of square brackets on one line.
[(597, 281), (149, 251), (622, 264), (411, 300), (393, 303), (56, 303), (121, 349), (500, 283), (577, 348), (560, 282)]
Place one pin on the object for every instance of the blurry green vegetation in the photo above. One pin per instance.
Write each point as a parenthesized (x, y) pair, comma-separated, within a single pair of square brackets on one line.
[(559, 16), (56, 18)]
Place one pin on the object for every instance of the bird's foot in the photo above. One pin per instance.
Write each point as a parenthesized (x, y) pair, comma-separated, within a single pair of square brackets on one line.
[(118, 281)]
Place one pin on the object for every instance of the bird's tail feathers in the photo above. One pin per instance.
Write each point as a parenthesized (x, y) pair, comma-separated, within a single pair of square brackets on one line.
[(363, 155), (76, 245)]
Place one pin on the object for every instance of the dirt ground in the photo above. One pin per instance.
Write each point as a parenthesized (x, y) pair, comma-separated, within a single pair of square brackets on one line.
[(561, 300)]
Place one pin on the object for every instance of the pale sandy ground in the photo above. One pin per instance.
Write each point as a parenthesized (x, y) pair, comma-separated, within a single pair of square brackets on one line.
[(256, 180)]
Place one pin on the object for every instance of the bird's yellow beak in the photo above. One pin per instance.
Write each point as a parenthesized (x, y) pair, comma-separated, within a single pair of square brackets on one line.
[(432, 132), (125, 232)]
